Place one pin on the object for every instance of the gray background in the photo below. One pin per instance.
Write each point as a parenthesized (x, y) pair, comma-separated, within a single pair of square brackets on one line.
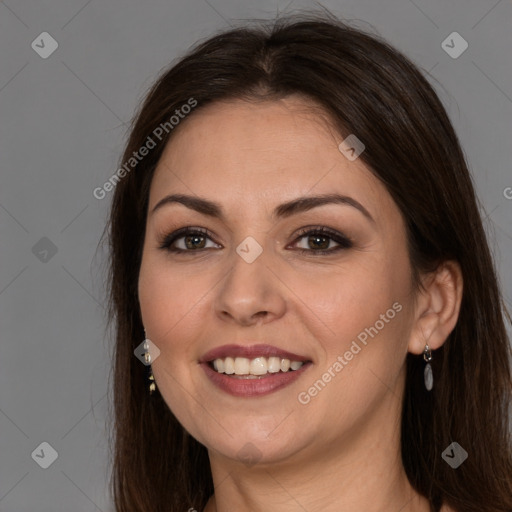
[(63, 123)]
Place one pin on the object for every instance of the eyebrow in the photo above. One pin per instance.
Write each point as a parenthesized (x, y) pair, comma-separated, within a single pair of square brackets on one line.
[(293, 207)]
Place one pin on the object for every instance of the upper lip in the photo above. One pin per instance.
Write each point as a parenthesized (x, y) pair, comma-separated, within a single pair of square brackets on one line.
[(250, 352)]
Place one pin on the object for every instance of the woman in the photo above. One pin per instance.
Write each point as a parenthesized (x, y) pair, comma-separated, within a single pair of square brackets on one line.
[(295, 237)]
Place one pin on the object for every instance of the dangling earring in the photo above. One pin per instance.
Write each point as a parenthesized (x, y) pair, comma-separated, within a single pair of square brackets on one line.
[(147, 358), (428, 375)]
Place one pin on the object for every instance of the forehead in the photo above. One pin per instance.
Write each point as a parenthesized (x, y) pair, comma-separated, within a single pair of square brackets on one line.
[(267, 151)]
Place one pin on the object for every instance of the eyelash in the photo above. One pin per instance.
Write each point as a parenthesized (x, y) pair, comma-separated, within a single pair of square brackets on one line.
[(343, 241)]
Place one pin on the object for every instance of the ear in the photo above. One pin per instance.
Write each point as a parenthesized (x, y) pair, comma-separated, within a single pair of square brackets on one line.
[(437, 307)]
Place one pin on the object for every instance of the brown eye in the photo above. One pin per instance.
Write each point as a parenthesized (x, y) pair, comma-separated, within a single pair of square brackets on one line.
[(318, 241), (193, 240)]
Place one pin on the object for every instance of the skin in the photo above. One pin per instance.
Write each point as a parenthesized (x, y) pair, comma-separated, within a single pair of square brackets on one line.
[(341, 450)]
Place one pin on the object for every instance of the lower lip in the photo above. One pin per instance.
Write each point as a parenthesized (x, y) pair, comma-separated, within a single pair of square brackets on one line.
[(260, 386)]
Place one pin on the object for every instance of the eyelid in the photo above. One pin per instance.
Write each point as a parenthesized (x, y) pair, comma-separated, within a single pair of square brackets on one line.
[(323, 230)]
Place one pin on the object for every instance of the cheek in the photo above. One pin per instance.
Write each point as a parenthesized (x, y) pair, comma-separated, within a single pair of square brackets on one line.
[(163, 297), (366, 309), (362, 361), (173, 304), (367, 331), (354, 297), (170, 303)]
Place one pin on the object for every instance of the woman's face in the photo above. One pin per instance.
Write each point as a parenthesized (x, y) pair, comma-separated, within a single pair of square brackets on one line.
[(258, 289)]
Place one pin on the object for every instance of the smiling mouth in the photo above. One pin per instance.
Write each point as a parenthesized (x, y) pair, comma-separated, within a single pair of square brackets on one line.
[(258, 367)]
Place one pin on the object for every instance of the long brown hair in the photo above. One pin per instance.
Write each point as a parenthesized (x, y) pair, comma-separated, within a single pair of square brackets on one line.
[(370, 89)]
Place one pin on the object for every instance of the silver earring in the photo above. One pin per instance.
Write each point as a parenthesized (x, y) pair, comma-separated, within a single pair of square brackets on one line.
[(147, 359), (428, 375)]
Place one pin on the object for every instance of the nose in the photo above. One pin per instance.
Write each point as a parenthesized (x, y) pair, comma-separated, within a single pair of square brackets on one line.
[(250, 293)]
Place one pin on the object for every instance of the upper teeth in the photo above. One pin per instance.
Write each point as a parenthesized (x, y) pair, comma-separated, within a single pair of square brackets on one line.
[(256, 366)]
